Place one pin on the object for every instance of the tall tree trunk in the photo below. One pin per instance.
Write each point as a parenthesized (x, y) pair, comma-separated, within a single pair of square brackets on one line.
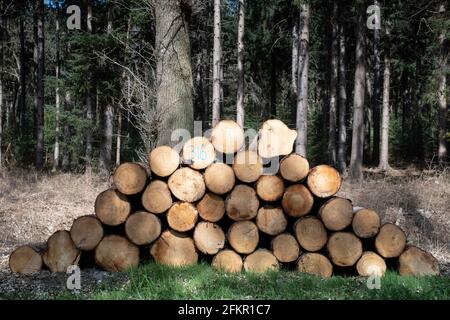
[(240, 113), (66, 131), (376, 97), (1, 90), (119, 138), (217, 59), (40, 63), (333, 86), (442, 87), (294, 68), (342, 135), (57, 94), (23, 85), (89, 107), (384, 144), (174, 71), (302, 78), (356, 157)]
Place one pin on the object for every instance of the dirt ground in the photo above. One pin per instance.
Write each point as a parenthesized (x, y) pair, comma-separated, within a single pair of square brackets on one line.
[(33, 206)]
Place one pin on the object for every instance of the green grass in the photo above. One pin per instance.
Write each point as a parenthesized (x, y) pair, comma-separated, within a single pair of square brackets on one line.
[(153, 281)]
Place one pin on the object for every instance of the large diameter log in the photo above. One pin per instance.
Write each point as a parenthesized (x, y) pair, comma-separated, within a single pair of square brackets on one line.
[(271, 220), (297, 200), (187, 185), (242, 203), (371, 264), (275, 139), (227, 137), (294, 168), (366, 223), (310, 233), (248, 166), (344, 248), (324, 181), (86, 232), (163, 161), (175, 249), (227, 260), (61, 252), (262, 260), (390, 241), (270, 188), (112, 207), (199, 153), (182, 216), (417, 262), (142, 228), (211, 208), (243, 237), (285, 248), (130, 178), (219, 178), (315, 264), (25, 260), (157, 197), (116, 253), (209, 237), (336, 214)]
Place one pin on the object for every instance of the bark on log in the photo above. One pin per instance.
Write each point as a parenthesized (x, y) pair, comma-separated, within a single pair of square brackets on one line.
[(370, 264), (25, 260), (294, 168), (243, 237), (219, 178), (211, 208), (242, 203), (209, 238), (61, 252), (344, 248), (248, 166), (142, 228), (310, 233), (336, 214), (175, 249), (130, 178), (271, 220), (187, 185), (417, 262), (285, 247), (390, 241), (116, 253), (86, 232), (163, 161), (366, 223), (112, 207), (227, 260), (297, 200), (261, 260), (316, 264), (157, 197), (199, 153), (324, 181), (270, 188), (182, 216), (227, 137), (275, 139)]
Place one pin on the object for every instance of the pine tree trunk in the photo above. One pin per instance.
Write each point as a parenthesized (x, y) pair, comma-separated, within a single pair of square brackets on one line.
[(89, 108), (57, 95), (240, 66), (302, 78), (66, 132), (119, 138), (217, 59), (376, 98), (174, 81), (23, 85), (342, 133), (40, 63), (333, 86), (384, 144), (358, 100), (442, 97), (294, 68)]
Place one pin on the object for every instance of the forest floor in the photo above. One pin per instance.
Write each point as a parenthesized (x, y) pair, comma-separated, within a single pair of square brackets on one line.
[(33, 206)]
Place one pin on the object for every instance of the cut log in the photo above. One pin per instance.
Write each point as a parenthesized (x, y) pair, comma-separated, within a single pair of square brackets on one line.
[(344, 248), (130, 178), (242, 203), (227, 260), (316, 264), (163, 161), (61, 252), (86, 232), (248, 166), (227, 137), (417, 262), (112, 207), (219, 178), (310, 233), (243, 236), (366, 223), (262, 260), (270, 188), (187, 185), (294, 168), (209, 237), (116, 253), (157, 197), (211, 208), (271, 220), (182, 216), (142, 228), (371, 264), (285, 248), (275, 139), (25, 260), (199, 153), (297, 200), (390, 241), (336, 214), (175, 249), (324, 181)]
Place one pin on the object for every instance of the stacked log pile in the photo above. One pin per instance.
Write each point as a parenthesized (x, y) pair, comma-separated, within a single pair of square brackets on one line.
[(241, 215)]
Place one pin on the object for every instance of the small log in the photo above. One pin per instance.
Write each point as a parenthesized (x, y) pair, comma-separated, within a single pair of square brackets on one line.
[(242, 203), (336, 214), (25, 260), (315, 264), (163, 161), (248, 166), (187, 185), (366, 223), (275, 139), (130, 178), (262, 260), (243, 237), (219, 178), (209, 237), (112, 207), (271, 220), (227, 136), (211, 208), (116, 253), (157, 197), (417, 262), (297, 200), (324, 181), (371, 264), (285, 248), (294, 168), (175, 249), (344, 248), (182, 216), (310, 233), (227, 260), (390, 241), (61, 252), (86, 232), (142, 228), (270, 188), (198, 153)]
